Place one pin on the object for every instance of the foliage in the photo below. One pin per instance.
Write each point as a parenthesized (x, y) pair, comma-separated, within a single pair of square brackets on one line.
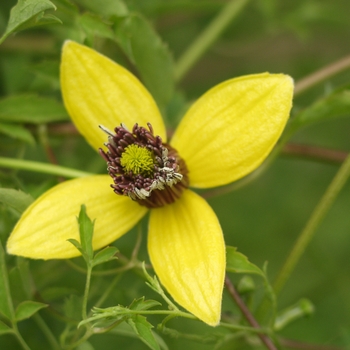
[(85, 302)]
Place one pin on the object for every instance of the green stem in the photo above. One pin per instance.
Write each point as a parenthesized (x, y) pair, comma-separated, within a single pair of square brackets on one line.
[(237, 327), (2, 39), (110, 314), (208, 37), (128, 266), (47, 331), (20, 339), (307, 234), (155, 285), (106, 293), (42, 167), (86, 292)]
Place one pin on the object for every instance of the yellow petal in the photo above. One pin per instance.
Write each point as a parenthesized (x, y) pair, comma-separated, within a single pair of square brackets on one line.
[(44, 228), (232, 128), (187, 251), (98, 91)]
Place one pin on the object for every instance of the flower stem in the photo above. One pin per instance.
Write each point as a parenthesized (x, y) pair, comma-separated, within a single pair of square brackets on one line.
[(247, 314), (307, 234), (86, 292), (47, 332), (208, 37), (20, 339), (324, 73), (318, 154), (109, 289), (42, 167)]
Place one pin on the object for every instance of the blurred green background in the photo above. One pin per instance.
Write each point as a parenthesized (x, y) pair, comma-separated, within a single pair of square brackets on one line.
[(263, 219)]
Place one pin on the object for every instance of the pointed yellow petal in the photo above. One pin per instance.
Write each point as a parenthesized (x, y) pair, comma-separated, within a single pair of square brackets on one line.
[(187, 251), (232, 128), (44, 228), (97, 91)]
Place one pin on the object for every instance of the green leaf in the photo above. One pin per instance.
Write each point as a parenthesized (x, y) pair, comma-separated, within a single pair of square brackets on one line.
[(266, 312), (56, 293), (334, 105), (27, 309), (94, 26), (143, 329), (22, 286), (6, 307), (107, 254), (5, 328), (29, 13), (17, 132), (31, 109), (246, 285), (85, 346), (239, 263), (110, 8), (77, 245), (125, 330), (72, 307), (151, 56), (86, 230), (142, 304), (15, 199)]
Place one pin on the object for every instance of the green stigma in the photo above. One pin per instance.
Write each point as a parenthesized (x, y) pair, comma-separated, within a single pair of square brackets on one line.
[(137, 159)]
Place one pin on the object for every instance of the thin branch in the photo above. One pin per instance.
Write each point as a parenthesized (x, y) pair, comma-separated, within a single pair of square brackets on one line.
[(315, 153), (311, 226), (247, 314), (44, 140), (292, 344), (209, 35), (321, 75), (41, 167)]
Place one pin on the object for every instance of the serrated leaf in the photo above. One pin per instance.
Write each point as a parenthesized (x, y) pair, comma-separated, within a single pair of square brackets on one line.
[(334, 105), (29, 13), (27, 309), (31, 109), (15, 199), (142, 304), (145, 49), (17, 132), (239, 263), (4, 328), (86, 230), (143, 329), (6, 307), (107, 254)]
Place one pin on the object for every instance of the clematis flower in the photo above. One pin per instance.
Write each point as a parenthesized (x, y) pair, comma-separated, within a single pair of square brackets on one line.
[(224, 136)]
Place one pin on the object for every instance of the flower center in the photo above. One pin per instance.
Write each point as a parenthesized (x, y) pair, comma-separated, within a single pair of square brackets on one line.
[(143, 167), (138, 160)]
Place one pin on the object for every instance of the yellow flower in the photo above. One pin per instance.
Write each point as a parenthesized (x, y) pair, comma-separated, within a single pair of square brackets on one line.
[(224, 136)]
